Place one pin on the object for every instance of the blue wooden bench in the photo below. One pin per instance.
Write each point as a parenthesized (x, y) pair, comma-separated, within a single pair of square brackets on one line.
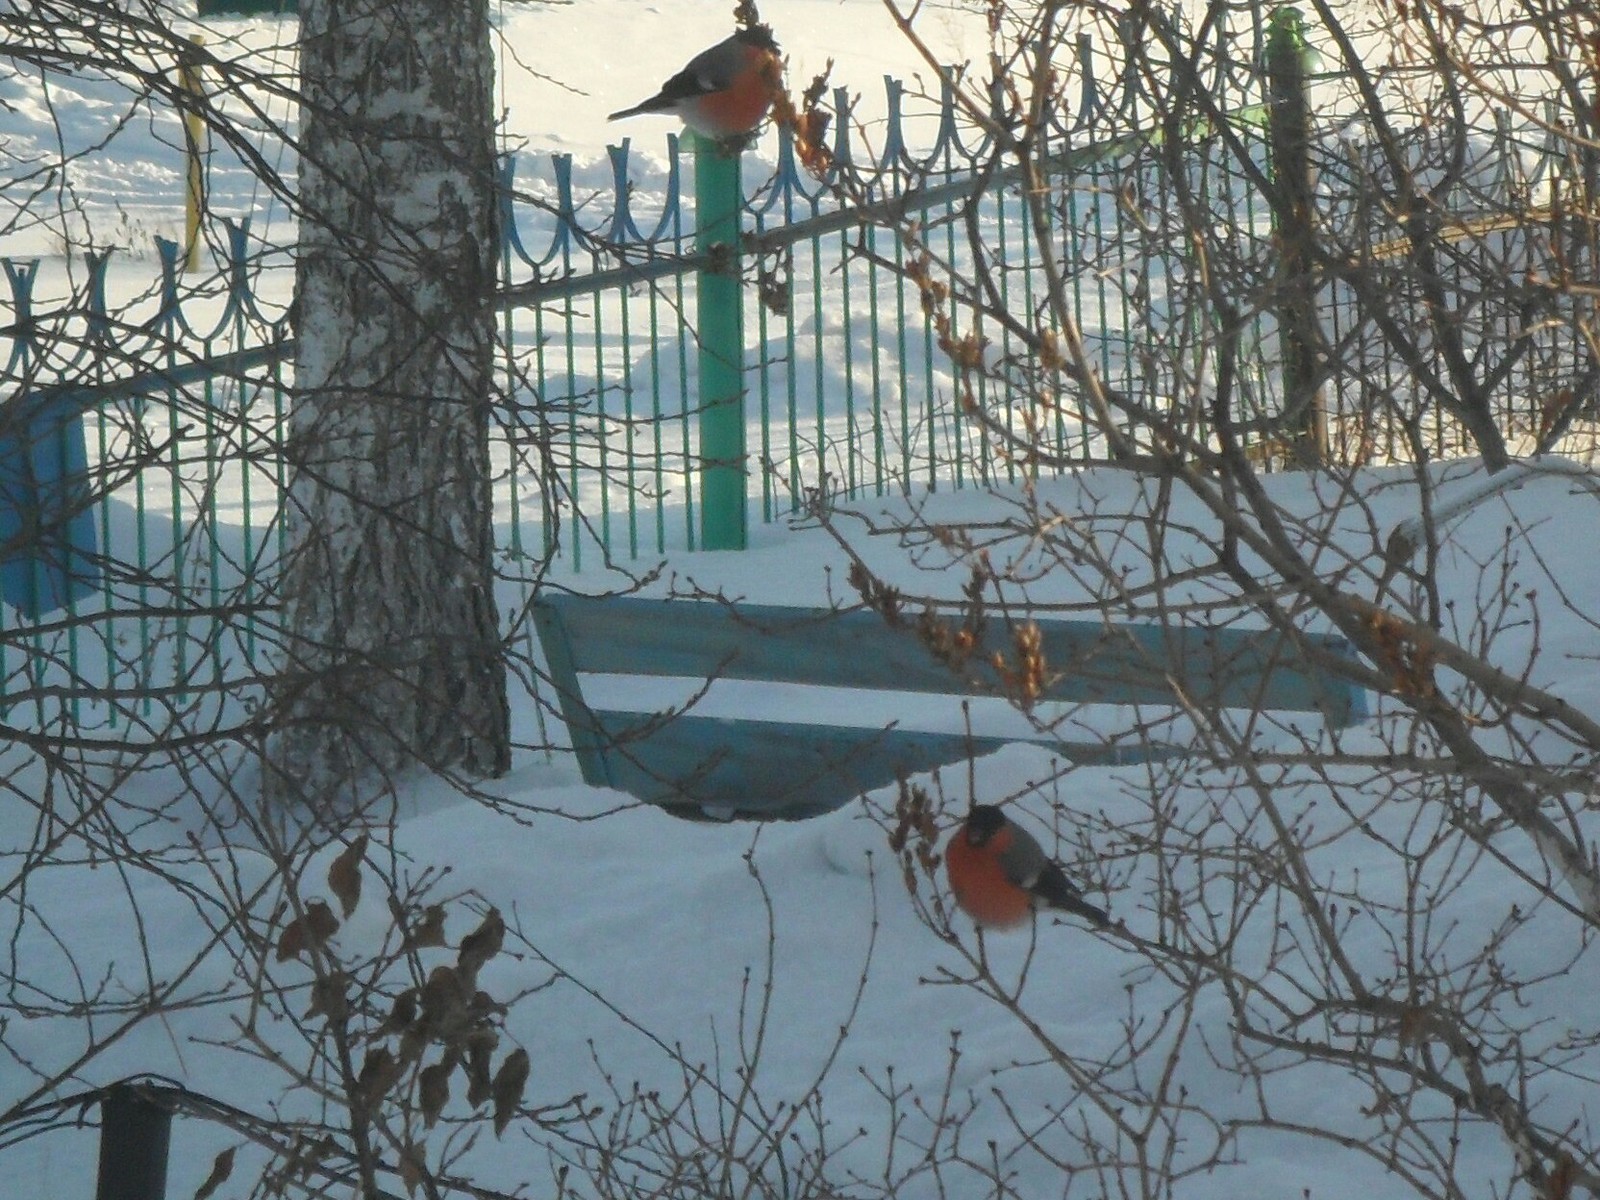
[(764, 765)]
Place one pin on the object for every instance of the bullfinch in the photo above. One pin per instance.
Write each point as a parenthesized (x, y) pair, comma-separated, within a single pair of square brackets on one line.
[(724, 91), (1000, 874)]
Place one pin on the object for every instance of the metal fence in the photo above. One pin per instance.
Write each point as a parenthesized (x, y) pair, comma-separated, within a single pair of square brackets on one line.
[(847, 392), (1510, 225), (143, 429)]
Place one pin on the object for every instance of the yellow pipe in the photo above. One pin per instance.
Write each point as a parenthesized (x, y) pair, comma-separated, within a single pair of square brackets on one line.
[(1457, 229), (193, 131)]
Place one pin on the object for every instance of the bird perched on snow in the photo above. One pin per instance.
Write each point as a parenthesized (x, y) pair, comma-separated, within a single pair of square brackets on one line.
[(1000, 875), (724, 91)]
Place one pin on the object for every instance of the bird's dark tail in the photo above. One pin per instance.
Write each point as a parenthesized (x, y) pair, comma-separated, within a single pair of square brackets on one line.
[(1084, 909), (655, 104), (1057, 892)]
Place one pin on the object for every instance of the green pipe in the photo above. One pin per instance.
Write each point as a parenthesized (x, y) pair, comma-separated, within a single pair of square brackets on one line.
[(720, 319)]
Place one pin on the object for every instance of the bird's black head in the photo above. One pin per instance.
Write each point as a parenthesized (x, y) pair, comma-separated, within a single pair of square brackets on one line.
[(759, 36), (983, 822)]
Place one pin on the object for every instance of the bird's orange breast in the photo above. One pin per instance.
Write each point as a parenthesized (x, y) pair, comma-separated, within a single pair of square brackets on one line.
[(739, 107), (981, 887)]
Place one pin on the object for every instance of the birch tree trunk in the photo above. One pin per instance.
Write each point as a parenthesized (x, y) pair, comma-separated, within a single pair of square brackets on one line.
[(393, 645)]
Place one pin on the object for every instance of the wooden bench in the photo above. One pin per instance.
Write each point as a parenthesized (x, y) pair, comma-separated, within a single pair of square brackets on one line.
[(766, 764)]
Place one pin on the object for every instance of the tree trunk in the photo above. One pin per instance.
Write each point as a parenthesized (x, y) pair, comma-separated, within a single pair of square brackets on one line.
[(1305, 420), (392, 631)]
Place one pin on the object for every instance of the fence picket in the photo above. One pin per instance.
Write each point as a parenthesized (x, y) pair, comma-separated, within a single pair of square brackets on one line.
[(600, 441)]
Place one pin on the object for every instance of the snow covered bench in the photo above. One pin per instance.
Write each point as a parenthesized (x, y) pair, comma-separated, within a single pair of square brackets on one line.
[(763, 762)]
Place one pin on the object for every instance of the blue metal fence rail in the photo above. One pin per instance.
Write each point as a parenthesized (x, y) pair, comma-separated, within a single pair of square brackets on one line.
[(141, 457)]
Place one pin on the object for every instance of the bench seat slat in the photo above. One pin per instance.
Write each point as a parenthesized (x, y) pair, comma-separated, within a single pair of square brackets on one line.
[(1089, 661)]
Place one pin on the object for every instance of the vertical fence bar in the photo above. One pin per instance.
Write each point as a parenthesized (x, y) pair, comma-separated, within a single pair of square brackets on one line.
[(819, 396), (507, 356), (718, 199), (44, 459), (658, 422), (849, 436)]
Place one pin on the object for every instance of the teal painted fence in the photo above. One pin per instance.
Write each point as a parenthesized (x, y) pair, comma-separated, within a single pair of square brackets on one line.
[(153, 514)]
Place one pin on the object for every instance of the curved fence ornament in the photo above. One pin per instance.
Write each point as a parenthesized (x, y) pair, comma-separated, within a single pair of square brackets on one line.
[(141, 411), (21, 332)]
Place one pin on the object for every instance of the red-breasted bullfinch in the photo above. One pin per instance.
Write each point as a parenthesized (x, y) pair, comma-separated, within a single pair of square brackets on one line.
[(1000, 874), (724, 91)]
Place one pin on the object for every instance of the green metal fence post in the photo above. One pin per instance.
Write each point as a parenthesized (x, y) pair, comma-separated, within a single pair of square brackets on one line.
[(724, 480), (135, 1132), (1289, 131)]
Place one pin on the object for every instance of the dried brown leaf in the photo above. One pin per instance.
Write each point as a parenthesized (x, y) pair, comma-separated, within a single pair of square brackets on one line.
[(329, 998), (480, 1084), (344, 875), (292, 941), (1562, 1176), (482, 944), (321, 920), (402, 1014), (413, 1043), (412, 1169), (508, 1084), (379, 1072), (429, 931), (311, 929), (221, 1170), (444, 996), (433, 1091)]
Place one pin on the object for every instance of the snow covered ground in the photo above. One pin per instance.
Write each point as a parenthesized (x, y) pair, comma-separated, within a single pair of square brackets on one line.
[(655, 942), (647, 928)]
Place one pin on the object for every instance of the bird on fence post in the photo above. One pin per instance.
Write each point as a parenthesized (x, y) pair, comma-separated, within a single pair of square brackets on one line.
[(1000, 875), (725, 91)]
